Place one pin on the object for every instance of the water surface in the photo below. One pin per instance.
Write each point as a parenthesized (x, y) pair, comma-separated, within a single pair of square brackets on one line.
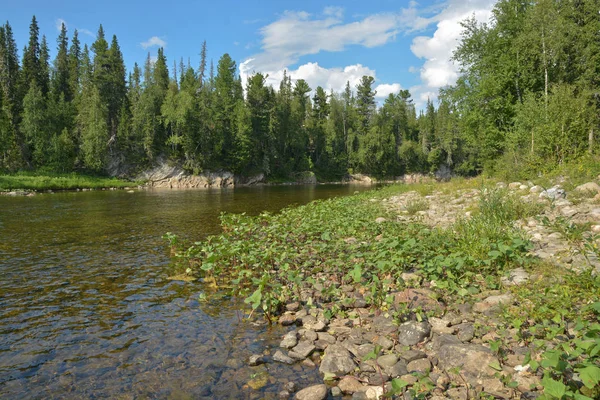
[(86, 310)]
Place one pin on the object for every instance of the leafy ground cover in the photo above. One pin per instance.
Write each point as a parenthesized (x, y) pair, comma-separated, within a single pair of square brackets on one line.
[(311, 254)]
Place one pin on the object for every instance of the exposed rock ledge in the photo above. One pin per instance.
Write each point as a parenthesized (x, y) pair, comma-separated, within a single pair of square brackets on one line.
[(175, 177)]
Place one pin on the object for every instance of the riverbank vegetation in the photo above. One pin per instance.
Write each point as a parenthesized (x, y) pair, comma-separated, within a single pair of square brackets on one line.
[(53, 181), (525, 102), (338, 256)]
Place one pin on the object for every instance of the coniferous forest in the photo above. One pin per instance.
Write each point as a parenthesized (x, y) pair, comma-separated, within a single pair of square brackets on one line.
[(527, 99)]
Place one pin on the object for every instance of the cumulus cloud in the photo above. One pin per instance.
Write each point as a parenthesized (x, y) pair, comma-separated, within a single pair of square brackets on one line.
[(154, 41), (296, 34), (436, 50), (385, 89)]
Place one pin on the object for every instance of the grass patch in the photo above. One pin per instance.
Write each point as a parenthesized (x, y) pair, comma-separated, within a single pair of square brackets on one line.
[(414, 206), (71, 181)]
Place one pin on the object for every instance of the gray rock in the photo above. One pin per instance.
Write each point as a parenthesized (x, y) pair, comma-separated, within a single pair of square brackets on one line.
[(411, 333), (440, 326), (287, 319), (304, 349), (397, 369), (380, 220), (553, 193), (283, 395), (378, 379), (310, 322), (517, 276), (349, 385), (289, 340), (290, 387), (316, 392), (492, 301), (421, 365), (282, 358), (411, 355), (360, 396), (336, 391), (326, 337), (256, 359), (592, 187), (536, 189), (472, 360), (337, 361), (387, 360), (466, 332), (384, 325), (310, 335), (295, 306), (385, 343)]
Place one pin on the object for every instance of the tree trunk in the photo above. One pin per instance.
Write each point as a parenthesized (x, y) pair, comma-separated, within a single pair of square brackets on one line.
[(591, 140), (545, 70)]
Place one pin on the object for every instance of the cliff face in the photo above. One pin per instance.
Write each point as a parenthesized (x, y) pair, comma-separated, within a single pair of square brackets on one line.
[(175, 177)]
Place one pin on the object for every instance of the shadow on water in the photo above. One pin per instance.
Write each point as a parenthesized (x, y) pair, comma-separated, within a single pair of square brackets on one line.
[(86, 310)]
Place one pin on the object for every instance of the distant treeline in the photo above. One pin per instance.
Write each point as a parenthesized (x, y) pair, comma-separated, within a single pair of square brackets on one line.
[(527, 97)]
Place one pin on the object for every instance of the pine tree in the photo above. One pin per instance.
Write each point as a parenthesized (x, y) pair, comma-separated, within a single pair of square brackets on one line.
[(74, 65), (60, 82), (35, 124), (44, 62)]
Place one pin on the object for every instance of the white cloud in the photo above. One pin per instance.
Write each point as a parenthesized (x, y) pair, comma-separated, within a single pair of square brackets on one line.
[(59, 22), (336, 12), (87, 32), (154, 41), (297, 33), (385, 89), (437, 70)]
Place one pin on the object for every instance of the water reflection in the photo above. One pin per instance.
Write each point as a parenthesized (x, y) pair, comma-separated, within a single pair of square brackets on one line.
[(86, 310)]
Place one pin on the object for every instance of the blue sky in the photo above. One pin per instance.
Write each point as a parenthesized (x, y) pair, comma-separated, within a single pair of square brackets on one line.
[(404, 44)]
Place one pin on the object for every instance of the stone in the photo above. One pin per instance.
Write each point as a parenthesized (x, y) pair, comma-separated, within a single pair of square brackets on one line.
[(569, 212), (378, 379), (287, 319), (374, 392), (411, 355), (423, 298), (440, 326), (387, 360), (412, 332), (397, 369), (472, 360), (337, 361), (492, 301), (349, 385), (283, 395), (514, 185), (259, 381), (289, 340), (590, 187), (303, 349), (380, 220), (410, 278), (256, 359), (310, 322), (517, 276), (459, 393), (554, 193), (290, 387), (310, 335), (385, 343), (422, 365), (466, 332), (527, 382), (316, 392), (384, 325), (295, 306), (282, 358), (326, 337), (336, 392), (536, 189), (234, 363), (360, 396)]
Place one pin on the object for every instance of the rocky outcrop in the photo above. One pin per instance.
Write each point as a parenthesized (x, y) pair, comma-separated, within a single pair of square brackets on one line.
[(171, 176)]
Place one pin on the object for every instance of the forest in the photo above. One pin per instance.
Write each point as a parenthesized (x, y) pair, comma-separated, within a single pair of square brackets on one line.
[(527, 100)]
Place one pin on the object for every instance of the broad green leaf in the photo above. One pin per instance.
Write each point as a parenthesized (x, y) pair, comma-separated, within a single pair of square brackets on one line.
[(553, 388), (590, 376)]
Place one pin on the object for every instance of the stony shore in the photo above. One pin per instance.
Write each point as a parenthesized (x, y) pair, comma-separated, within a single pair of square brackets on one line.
[(446, 350)]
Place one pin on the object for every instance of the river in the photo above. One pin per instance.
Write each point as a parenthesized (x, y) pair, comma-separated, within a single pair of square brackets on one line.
[(87, 311)]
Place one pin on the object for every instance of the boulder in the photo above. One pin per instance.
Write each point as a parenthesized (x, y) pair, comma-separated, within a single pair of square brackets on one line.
[(590, 187), (412, 332), (337, 361), (316, 392), (473, 361), (349, 385)]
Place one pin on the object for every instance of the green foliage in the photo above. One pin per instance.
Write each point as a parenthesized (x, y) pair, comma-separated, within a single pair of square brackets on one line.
[(31, 181)]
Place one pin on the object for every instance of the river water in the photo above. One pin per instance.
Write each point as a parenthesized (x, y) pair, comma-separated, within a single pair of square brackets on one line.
[(87, 311)]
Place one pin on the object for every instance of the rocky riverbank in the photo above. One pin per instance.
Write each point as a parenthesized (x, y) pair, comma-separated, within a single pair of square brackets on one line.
[(436, 297)]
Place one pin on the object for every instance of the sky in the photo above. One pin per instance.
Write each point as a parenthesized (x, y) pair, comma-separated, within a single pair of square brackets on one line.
[(402, 44)]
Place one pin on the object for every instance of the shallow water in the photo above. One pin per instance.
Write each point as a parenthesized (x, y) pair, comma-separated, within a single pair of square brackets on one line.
[(86, 310)]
